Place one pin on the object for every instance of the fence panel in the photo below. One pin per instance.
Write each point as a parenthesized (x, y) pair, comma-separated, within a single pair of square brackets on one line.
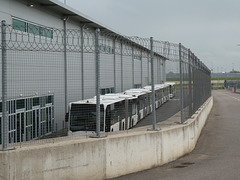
[(52, 76)]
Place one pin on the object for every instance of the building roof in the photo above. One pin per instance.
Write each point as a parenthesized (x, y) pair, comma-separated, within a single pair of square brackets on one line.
[(67, 11)]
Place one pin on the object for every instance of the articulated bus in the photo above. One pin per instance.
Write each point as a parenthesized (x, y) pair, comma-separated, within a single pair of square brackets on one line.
[(118, 111)]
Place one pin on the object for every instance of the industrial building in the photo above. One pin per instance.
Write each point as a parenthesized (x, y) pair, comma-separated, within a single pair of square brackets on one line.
[(51, 62)]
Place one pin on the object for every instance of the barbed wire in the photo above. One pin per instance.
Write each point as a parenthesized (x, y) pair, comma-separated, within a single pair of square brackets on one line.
[(74, 40)]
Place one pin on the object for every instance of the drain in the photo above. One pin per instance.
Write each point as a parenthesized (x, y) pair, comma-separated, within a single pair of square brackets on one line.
[(188, 163), (180, 166), (183, 165)]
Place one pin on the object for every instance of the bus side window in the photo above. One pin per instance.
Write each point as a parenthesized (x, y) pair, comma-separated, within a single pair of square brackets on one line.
[(114, 114), (122, 110), (133, 108)]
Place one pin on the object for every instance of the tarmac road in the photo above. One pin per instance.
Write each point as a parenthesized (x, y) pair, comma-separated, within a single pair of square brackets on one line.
[(164, 112), (217, 153)]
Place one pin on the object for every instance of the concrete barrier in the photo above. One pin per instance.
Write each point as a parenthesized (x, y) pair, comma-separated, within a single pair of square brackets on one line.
[(115, 155)]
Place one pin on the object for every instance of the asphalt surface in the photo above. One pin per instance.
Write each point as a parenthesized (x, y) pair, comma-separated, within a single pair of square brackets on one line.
[(217, 153), (164, 112)]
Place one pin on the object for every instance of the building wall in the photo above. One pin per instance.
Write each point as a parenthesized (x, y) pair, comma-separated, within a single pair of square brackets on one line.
[(127, 72), (74, 64), (37, 72), (118, 73), (89, 75), (38, 15), (145, 75), (106, 71), (137, 71)]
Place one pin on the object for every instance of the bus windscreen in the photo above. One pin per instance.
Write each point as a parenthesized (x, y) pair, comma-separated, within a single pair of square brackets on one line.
[(83, 117)]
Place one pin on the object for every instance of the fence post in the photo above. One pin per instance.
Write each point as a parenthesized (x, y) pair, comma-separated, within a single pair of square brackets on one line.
[(4, 87), (121, 66), (65, 64), (190, 82), (97, 84), (153, 86), (39, 129), (114, 64), (82, 60), (202, 82), (181, 82), (164, 71), (132, 66), (148, 70), (141, 69), (199, 82), (194, 83)]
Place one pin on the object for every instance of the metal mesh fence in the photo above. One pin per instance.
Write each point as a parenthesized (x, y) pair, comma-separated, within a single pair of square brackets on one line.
[(189, 72), (193, 81), (77, 81)]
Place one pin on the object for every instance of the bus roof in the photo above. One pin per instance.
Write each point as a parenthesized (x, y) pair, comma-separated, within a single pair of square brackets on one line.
[(157, 86), (112, 98)]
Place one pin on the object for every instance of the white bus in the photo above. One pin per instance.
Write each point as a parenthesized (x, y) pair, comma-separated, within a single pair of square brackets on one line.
[(118, 111)]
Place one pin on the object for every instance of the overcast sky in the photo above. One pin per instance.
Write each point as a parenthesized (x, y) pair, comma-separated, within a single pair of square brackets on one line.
[(210, 28)]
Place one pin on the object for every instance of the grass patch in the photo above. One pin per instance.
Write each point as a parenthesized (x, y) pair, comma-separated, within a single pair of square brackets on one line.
[(225, 78), (172, 79)]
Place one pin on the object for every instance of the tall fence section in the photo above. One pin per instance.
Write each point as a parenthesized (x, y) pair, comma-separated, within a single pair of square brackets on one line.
[(81, 81)]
